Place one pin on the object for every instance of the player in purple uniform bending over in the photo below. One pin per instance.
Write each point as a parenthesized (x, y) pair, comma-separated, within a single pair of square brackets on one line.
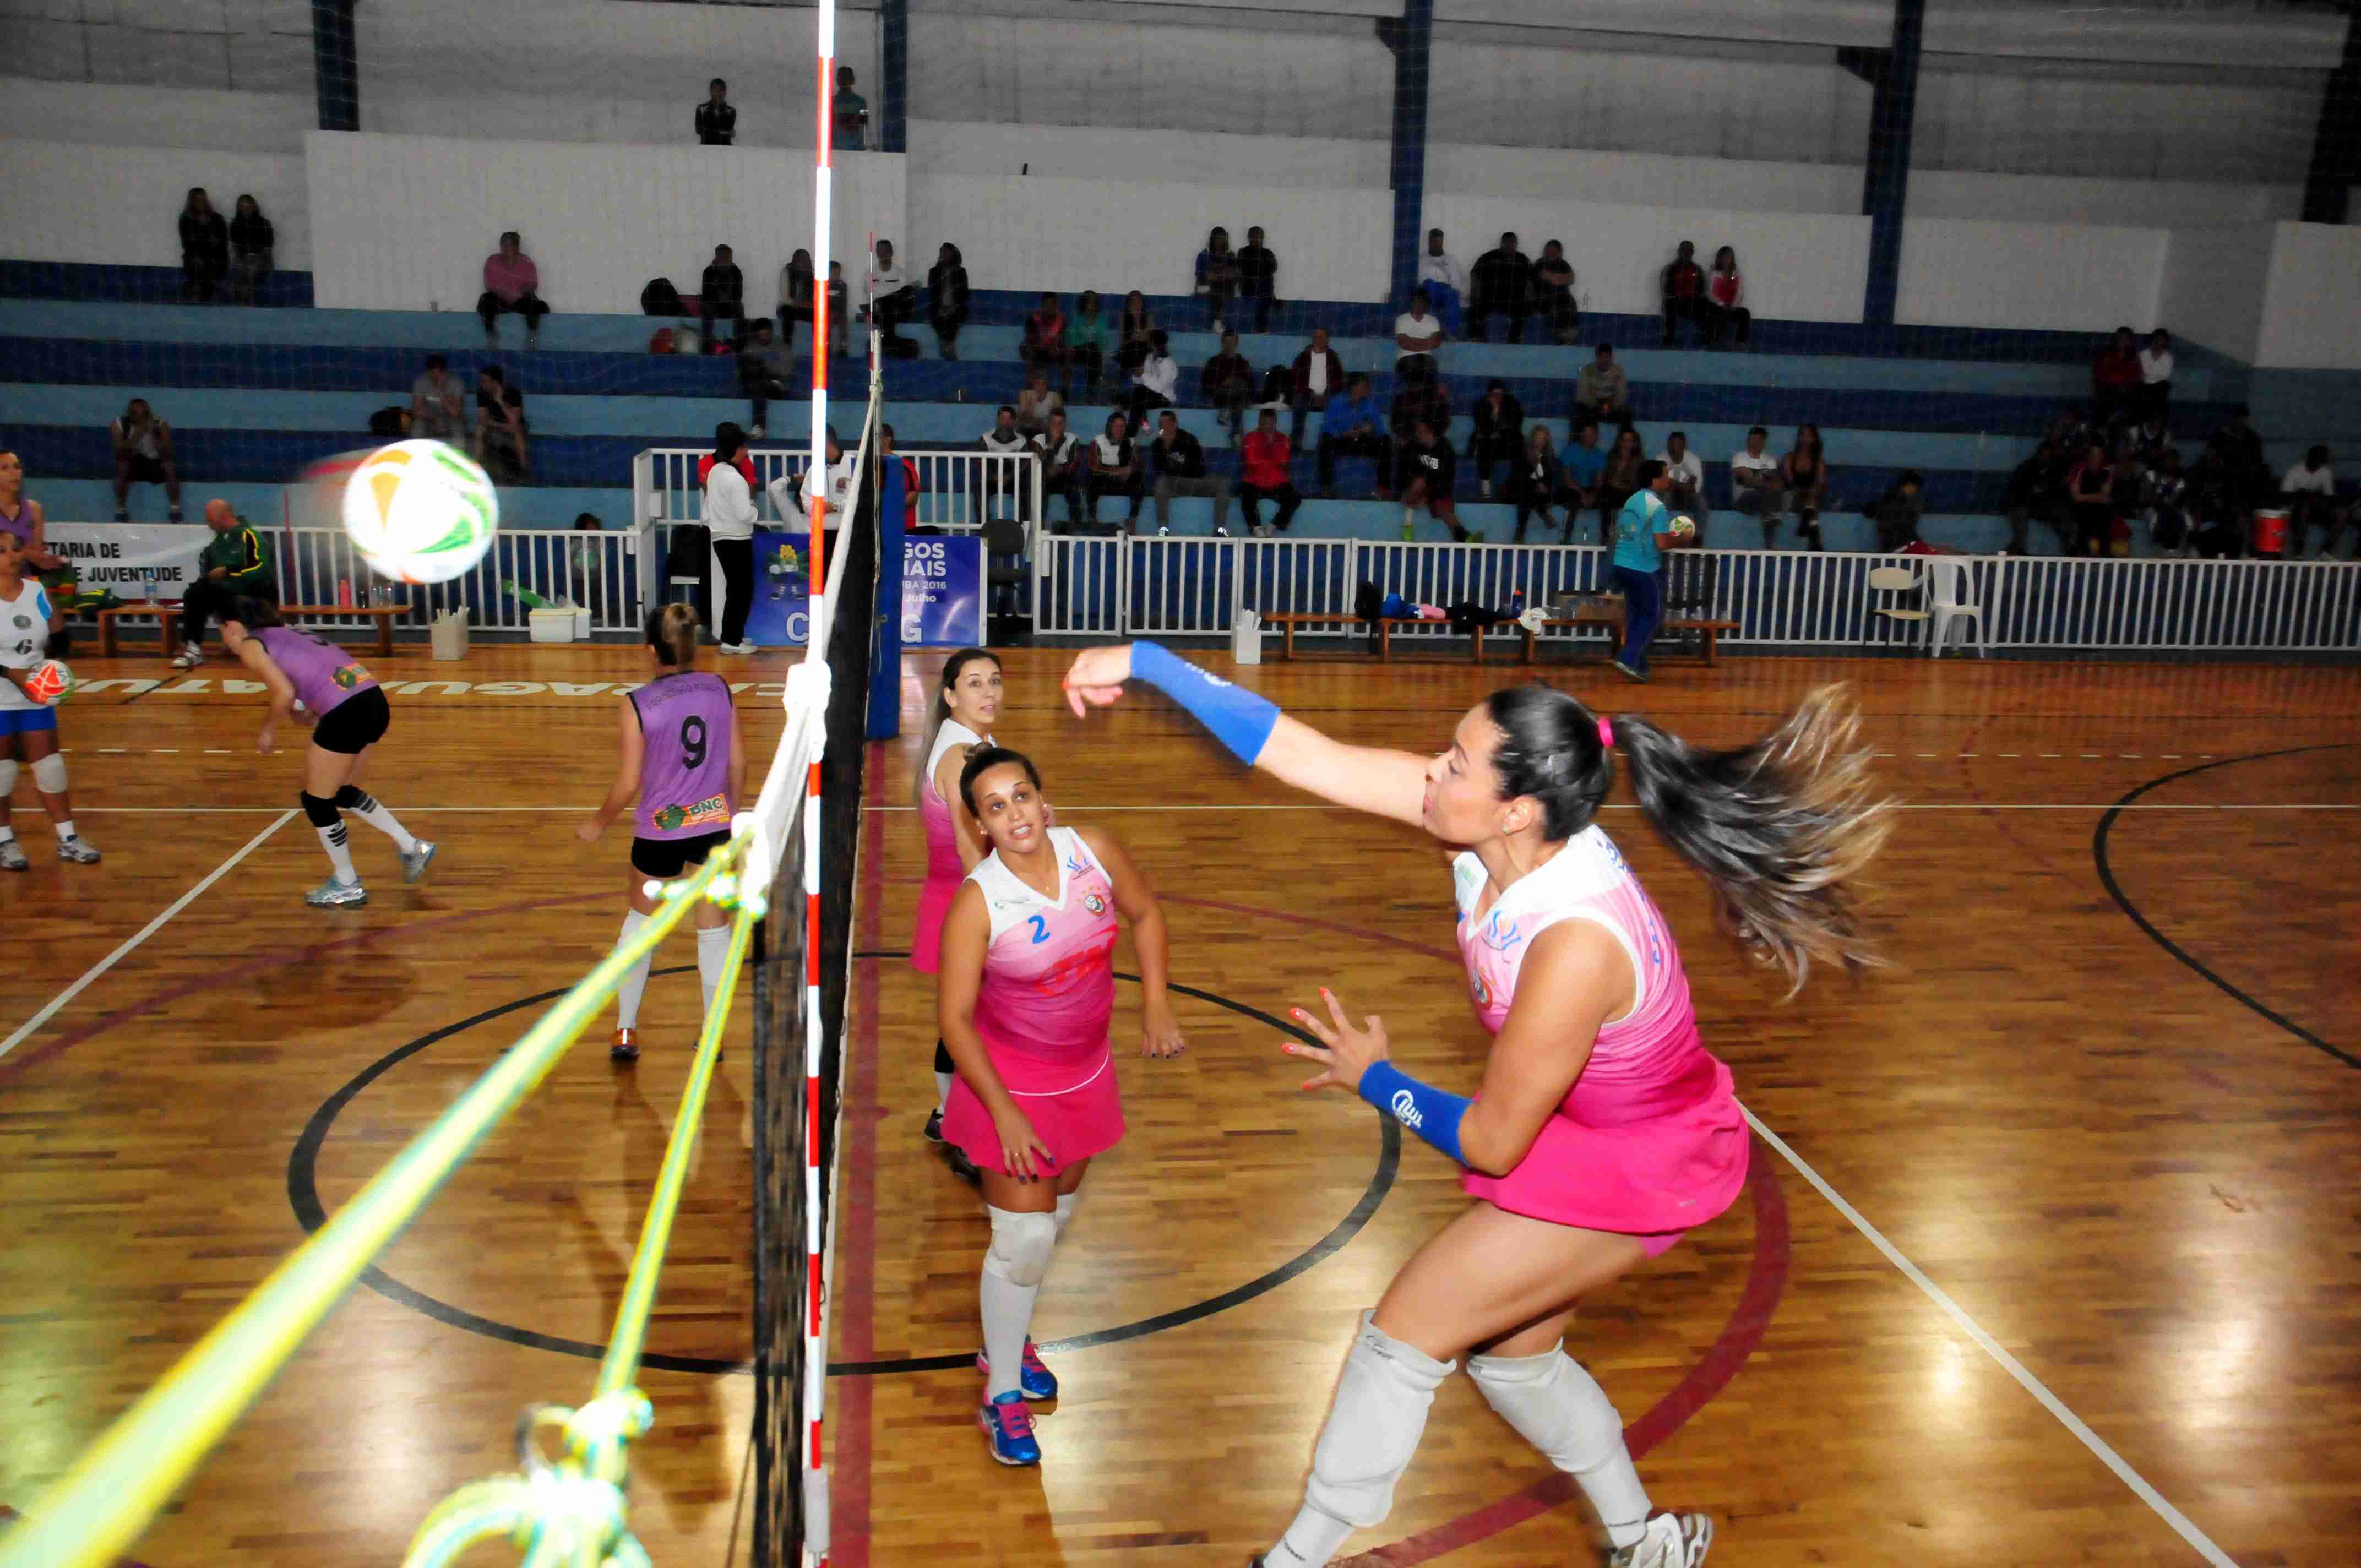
[(1604, 1129), (1024, 993), (684, 758), (315, 682)]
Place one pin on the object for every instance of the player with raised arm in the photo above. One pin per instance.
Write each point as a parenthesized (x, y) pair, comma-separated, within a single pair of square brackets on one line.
[(1603, 1130), (684, 756), (1024, 997)]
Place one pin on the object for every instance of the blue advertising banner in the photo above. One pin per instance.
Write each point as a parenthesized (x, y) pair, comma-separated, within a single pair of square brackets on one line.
[(942, 591)]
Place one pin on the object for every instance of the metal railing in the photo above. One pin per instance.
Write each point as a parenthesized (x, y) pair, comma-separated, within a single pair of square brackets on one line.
[(610, 571), (955, 489)]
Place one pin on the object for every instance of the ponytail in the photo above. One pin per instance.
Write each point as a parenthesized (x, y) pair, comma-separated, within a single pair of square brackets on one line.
[(671, 632), (1779, 826)]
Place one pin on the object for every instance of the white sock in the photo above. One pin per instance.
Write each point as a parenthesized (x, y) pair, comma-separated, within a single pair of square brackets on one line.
[(333, 839), (1371, 1433), (1561, 1410), (377, 816), (1067, 1203), (635, 980), (65, 829), (7, 834), (943, 1091), (1013, 1267), (712, 961)]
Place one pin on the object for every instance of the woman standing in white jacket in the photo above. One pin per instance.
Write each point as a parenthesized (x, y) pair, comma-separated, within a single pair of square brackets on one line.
[(730, 517)]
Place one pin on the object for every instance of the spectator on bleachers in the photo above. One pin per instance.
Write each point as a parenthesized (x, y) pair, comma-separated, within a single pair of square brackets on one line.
[(1553, 294), (1037, 402), (2116, 379), (1415, 402), (730, 517), (1259, 280), (1586, 468), (1228, 383), (1417, 335), (850, 133), (1805, 470), (717, 118), (1318, 376), (1132, 331), (232, 566), (1444, 281), (1724, 307), (1601, 391), (1217, 277), (1681, 287), (1428, 473), (1756, 487), (1154, 380), (511, 284), (1060, 453), (2166, 506), (763, 368), (143, 456), (2036, 492), (993, 480), (1537, 481), (2156, 375), (1504, 287), (585, 562), (1114, 465), (2234, 456), (1086, 341), (1178, 459), (840, 307), (1686, 469), (1264, 463), (501, 428), (1352, 427), (253, 251), (2090, 492), (1045, 340), (1499, 435), (721, 295), (2307, 490), (438, 403), (947, 299), (1899, 511), (892, 299), (795, 297), (2143, 445), (1619, 477), (204, 249)]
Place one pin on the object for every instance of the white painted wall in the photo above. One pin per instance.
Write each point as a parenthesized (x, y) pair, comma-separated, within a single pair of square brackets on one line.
[(98, 114), (403, 221), (1112, 234), (131, 216), (2311, 308), (1797, 267), (2216, 279), (2050, 277)]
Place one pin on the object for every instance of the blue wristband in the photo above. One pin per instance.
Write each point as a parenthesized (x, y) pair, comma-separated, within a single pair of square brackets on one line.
[(1430, 1113), (1238, 718)]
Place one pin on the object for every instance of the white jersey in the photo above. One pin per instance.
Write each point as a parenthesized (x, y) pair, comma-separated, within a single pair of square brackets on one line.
[(24, 639), (952, 733)]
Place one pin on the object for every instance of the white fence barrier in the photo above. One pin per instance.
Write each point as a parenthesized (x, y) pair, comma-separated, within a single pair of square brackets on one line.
[(954, 493), (610, 571)]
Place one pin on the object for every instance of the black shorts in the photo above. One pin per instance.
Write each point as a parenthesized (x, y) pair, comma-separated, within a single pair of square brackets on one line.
[(359, 721), (664, 858), (146, 470)]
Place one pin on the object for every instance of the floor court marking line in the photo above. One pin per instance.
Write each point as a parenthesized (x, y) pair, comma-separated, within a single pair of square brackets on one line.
[(1616, 805), (2180, 1523), (157, 924)]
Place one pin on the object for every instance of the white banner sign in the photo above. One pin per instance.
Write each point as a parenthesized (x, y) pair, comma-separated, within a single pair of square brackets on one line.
[(135, 560)]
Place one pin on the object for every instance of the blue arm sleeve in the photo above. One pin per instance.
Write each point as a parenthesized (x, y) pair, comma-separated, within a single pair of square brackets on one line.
[(1238, 718), (1430, 1113)]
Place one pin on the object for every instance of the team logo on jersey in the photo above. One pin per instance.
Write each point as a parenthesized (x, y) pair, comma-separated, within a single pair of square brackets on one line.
[(669, 818), (1405, 1108), (348, 677), (23, 621), (1094, 903)]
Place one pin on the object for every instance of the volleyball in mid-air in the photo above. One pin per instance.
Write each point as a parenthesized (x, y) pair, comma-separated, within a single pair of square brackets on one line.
[(1683, 527), (420, 511), (49, 683)]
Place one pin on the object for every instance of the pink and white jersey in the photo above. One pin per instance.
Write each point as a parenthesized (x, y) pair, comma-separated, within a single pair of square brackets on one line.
[(1047, 990), (942, 843), (1648, 1062)]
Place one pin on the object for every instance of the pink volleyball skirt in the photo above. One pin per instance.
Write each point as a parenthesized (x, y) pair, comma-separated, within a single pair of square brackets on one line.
[(934, 903), (1075, 1107)]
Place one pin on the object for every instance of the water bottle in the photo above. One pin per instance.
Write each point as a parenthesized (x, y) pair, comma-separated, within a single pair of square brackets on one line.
[(345, 593)]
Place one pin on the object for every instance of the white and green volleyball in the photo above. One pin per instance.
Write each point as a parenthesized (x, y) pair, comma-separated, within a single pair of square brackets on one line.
[(420, 511)]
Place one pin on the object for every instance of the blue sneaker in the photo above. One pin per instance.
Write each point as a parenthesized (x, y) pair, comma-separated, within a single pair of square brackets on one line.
[(1034, 1380), (1009, 1426)]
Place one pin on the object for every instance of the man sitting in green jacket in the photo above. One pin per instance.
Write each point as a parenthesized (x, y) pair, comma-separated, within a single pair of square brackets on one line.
[(232, 566)]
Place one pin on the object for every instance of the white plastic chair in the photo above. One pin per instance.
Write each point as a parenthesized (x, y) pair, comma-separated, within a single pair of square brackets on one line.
[(1885, 580), (1946, 582)]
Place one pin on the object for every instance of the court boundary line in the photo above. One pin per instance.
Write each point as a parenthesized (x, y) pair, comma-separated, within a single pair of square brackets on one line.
[(32, 1025), (2100, 1449), (1283, 805)]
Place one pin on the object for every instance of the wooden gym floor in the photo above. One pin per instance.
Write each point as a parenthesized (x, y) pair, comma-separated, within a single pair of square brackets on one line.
[(2101, 1111)]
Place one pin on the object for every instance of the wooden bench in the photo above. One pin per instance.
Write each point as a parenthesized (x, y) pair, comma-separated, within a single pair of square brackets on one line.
[(1287, 620), (164, 614), (1709, 632)]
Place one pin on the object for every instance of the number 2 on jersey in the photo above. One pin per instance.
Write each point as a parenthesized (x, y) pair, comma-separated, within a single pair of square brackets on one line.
[(692, 742), (1041, 930)]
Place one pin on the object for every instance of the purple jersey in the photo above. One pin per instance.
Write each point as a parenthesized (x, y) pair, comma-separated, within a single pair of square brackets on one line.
[(20, 524), (324, 675), (685, 776)]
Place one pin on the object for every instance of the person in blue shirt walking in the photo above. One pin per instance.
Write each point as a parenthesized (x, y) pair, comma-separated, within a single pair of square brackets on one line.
[(1644, 530)]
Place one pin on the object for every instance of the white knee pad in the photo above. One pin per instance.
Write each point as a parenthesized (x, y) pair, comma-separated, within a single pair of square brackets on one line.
[(1021, 1246), (1067, 1203), (1373, 1431), (49, 775), (1554, 1405), (8, 778)]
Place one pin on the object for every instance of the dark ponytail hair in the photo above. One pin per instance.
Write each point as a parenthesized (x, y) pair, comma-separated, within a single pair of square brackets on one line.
[(254, 614), (982, 761), (1780, 827), (940, 713)]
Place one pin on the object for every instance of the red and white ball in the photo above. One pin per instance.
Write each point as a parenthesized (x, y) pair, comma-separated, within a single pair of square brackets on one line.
[(49, 683)]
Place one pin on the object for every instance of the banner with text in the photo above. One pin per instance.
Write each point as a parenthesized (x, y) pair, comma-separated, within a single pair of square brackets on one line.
[(942, 591), (131, 559)]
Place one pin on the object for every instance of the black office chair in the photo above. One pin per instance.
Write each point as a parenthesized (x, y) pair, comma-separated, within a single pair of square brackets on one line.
[(1007, 579)]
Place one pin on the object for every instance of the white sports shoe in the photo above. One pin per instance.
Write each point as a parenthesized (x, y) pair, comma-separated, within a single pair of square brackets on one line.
[(12, 857), (77, 849), (332, 893), (191, 657), (1673, 1540)]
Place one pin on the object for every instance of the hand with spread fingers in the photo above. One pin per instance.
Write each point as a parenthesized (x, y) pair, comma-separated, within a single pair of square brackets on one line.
[(1344, 1051), (1096, 677)]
